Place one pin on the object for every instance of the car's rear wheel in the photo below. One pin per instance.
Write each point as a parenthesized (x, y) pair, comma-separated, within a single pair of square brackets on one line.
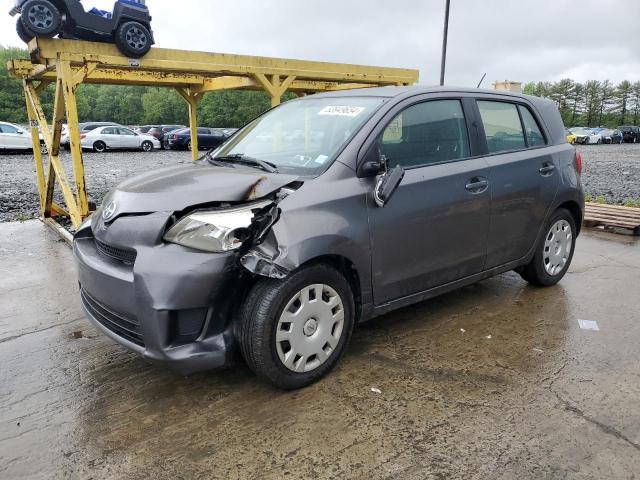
[(554, 251), (189, 145), (147, 146), (293, 331), (23, 32), (41, 17), (99, 147), (133, 39), (43, 148)]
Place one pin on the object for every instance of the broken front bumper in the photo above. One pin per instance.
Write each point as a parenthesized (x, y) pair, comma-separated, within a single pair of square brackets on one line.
[(166, 302)]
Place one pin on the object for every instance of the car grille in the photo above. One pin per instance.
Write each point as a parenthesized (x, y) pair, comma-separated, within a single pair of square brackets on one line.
[(124, 255), (125, 327)]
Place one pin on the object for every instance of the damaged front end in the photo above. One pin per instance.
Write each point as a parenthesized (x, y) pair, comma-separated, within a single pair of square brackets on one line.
[(243, 228)]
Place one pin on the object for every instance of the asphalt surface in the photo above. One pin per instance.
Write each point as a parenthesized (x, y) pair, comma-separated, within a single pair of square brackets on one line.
[(611, 171), (496, 380)]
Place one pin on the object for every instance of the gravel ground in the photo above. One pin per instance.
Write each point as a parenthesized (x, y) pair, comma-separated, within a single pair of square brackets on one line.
[(611, 171)]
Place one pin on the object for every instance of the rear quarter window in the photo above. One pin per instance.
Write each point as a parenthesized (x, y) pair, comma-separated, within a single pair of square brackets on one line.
[(535, 138)]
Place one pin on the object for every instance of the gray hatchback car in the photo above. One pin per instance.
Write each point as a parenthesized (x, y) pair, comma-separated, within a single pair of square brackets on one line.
[(325, 212)]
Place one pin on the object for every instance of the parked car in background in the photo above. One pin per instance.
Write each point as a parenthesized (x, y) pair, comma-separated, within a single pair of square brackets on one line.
[(160, 132), (207, 138), (84, 127), (586, 136), (17, 137), (145, 128), (630, 133), (117, 138), (278, 253), (611, 136), (571, 137), (229, 131)]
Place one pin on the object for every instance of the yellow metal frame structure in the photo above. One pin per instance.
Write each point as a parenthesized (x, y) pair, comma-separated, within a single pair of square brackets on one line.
[(69, 63)]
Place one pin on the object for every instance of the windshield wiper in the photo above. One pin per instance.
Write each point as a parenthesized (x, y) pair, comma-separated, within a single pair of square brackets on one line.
[(244, 159), (210, 159)]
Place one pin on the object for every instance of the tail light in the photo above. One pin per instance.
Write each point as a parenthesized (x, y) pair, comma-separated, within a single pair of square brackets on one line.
[(83, 136), (578, 163), (174, 137)]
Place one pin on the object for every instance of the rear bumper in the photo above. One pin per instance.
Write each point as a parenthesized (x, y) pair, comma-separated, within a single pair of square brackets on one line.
[(171, 305)]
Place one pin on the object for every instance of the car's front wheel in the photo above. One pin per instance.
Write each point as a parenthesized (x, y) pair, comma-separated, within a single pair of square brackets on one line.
[(554, 251), (293, 331), (147, 146)]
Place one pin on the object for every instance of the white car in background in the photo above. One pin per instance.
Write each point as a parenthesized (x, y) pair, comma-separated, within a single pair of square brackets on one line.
[(112, 137), (586, 136), (17, 137)]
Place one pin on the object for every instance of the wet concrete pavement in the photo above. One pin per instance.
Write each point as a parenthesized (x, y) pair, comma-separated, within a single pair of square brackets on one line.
[(496, 380)]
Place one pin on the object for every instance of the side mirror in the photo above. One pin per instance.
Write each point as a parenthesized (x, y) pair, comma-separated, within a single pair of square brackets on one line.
[(20, 132), (387, 185)]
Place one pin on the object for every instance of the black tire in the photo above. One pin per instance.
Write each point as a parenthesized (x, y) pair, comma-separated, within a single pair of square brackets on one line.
[(147, 146), (258, 320), (189, 145), (99, 147), (43, 148), (133, 39), (23, 32), (535, 272), (41, 17)]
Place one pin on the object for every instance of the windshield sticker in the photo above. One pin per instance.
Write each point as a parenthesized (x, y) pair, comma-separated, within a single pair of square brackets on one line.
[(321, 159), (342, 110)]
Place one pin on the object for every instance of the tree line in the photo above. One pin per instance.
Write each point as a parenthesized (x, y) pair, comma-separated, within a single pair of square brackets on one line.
[(134, 105), (593, 103)]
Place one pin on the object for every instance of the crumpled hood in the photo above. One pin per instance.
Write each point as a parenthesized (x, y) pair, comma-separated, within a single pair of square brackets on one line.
[(176, 188)]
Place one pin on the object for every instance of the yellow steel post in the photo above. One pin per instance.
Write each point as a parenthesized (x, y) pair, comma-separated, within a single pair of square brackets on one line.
[(192, 99), (68, 85), (37, 153), (274, 87), (55, 163)]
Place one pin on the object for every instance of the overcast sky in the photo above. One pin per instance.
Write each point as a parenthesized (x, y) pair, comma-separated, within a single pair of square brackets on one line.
[(521, 40)]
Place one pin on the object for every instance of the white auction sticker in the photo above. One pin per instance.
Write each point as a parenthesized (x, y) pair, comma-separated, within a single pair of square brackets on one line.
[(341, 110)]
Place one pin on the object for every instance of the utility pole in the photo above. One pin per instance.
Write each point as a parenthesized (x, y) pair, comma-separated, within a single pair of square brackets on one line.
[(445, 34)]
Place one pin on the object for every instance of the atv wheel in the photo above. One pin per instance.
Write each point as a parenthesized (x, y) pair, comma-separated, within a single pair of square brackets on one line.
[(41, 17), (25, 35), (133, 39)]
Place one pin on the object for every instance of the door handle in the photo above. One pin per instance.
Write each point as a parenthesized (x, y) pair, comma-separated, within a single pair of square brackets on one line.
[(477, 185), (547, 169)]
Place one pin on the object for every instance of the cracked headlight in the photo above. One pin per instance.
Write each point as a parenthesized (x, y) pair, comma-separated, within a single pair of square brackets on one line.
[(215, 230)]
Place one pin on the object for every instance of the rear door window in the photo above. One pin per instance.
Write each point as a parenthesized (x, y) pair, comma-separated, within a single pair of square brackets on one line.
[(531, 128), (502, 126), (426, 133)]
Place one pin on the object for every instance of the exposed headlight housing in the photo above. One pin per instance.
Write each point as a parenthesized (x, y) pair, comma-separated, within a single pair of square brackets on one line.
[(215, 230)]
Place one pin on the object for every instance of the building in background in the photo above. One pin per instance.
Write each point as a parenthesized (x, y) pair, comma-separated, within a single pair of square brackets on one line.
[(509, 86)]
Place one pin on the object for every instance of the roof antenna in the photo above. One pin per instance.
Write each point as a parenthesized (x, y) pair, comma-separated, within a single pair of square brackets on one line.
[(480, 82), (445, 34)]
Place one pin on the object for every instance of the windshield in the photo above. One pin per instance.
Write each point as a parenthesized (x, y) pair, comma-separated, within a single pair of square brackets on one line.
[(301, 136)]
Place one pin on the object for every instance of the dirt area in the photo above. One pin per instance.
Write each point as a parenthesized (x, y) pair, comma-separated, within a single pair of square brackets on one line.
[(610, 171), (497, 380)]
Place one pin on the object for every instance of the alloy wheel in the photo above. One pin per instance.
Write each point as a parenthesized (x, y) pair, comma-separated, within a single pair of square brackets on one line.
[(136, 38), (40, 16), (309, 328), (557, 247)]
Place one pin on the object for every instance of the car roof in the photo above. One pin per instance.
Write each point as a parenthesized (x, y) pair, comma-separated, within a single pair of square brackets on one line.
[(410, 90)]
